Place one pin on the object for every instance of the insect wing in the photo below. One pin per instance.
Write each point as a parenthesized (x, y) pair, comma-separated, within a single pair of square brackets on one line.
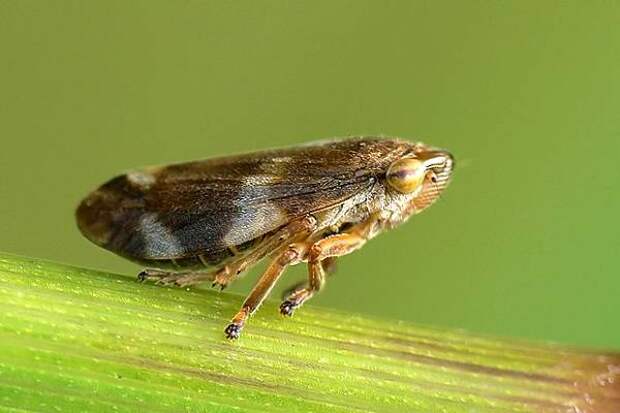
[(203, 207)]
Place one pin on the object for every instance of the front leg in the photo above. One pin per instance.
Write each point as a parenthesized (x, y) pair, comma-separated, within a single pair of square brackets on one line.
[(327, 248), (290, 256), (329, 267)]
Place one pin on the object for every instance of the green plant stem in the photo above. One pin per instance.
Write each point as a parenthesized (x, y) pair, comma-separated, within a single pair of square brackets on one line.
[(73, 339)]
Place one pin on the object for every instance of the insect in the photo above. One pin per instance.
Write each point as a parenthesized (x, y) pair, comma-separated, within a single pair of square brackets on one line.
[(211, 220)]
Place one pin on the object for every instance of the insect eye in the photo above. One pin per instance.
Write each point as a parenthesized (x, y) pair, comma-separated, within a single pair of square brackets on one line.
[(406, 175)]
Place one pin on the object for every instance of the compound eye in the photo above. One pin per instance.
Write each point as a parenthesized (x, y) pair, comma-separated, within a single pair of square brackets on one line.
[(406, 175)]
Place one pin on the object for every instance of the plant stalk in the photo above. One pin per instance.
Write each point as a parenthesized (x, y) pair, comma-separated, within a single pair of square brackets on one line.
[(73, 339)]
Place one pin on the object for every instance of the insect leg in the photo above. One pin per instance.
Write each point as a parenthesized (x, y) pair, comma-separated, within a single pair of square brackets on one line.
[(332, 246), (290, 256), (178, 278), (290, 233), (224, 276), (329, 267)]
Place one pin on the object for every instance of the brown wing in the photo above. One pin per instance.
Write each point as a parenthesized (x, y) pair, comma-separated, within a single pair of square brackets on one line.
[(203, 207)]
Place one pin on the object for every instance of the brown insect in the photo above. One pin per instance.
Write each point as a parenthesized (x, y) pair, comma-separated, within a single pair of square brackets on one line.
[(211, 220)]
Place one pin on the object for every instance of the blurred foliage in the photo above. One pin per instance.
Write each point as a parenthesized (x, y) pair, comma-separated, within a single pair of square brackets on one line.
[(525, 94)]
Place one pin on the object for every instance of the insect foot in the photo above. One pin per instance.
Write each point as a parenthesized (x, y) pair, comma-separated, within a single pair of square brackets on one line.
[(222, 278), (217, 284), (160, 277), (287, 308), (233, 331), (167, 278), (143, 276)]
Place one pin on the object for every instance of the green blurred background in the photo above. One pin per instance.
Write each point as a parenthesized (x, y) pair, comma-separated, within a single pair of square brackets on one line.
[(525, 94)]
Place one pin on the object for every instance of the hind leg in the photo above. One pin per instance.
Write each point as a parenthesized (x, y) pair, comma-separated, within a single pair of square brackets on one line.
[(177, 278), (222, 277)]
